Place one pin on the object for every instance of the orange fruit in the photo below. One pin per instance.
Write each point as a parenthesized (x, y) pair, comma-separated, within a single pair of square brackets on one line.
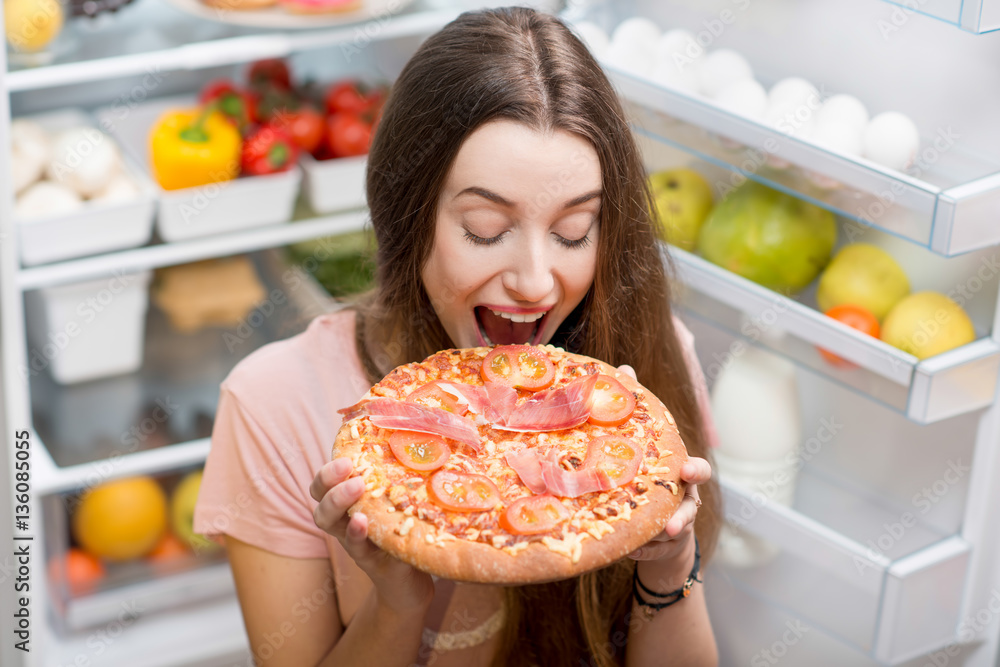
[(855, 317), (121, 520), (77, 569), (169, 548)]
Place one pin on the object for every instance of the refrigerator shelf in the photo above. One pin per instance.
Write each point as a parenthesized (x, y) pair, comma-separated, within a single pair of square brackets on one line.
[(894, 596), (953, 383), (181, 42), (169, 254), (160, 417), (976, 16), (950, 208), (207, 633)]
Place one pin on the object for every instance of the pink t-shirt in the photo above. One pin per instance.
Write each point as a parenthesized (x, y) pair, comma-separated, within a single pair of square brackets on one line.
[(276, 423)]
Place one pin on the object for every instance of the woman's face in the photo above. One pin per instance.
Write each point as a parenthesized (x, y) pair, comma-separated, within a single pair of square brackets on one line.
[(516, 235)]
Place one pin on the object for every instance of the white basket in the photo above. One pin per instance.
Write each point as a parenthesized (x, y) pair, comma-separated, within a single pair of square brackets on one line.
[(334, 185), (97, 227), (88, 330), (216, 208)]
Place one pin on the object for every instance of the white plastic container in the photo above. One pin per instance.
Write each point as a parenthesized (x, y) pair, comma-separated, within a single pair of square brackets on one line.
[(88, 330), (334, 185), (98, 226), (216, 208)]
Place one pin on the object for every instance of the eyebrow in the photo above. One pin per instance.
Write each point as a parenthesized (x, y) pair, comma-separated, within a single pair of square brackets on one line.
[(494, 197)]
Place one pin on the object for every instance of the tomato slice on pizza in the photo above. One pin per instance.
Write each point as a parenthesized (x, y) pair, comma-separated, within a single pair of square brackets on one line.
[(612, 404), (519, 366), (615, 456), (433, 395), (533, 515), (419, 451), (462, 492)]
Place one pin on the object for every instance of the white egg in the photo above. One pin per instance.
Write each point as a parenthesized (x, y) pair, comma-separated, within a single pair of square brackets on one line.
[(675, 76), (629, 57), (838, 136), (794, 120), (84, 159), (846, 109), (745, 97), (594, 37), (638, 31), (44, 199), (721, 68), (892, 140), (794, 91), (678, 46)]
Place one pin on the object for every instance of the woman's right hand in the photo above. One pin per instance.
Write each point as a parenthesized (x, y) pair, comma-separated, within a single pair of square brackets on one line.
[(398, 585)]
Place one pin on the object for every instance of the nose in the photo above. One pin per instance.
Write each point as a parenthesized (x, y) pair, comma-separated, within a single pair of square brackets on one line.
[(530, 276)]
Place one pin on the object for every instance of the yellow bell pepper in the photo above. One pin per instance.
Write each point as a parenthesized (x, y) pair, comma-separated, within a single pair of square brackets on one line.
[(194, 147)]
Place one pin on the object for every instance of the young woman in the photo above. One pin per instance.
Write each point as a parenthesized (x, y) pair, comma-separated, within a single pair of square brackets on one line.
[(509, 204)]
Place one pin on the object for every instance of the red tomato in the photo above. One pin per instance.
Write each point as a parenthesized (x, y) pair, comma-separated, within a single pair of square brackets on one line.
[(432, 395), (612, 404), (268, 150), (270, 72), (855, 317), (533, 515), (347, 134), (419, 451), (519, 366), (77, 569), (462, 492), (305, 125), (616, 456), (234, 103), (347, 96)]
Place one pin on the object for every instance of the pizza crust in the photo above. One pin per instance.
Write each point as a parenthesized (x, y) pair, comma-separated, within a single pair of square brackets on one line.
[(421, 543)]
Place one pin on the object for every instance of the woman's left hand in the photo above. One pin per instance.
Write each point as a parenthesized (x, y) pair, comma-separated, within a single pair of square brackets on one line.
[(673, 541), (676, 538)]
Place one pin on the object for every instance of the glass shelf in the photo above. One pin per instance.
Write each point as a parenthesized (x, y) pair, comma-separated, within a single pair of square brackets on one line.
[(152, 37), (724, 304), (978, 16), (949, 205), (161, 416), (892, 603)]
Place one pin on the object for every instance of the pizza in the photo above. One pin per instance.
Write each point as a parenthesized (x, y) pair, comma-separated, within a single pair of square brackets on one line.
[(512, 464)]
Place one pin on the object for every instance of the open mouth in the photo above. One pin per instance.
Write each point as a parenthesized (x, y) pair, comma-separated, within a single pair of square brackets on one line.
[(497, 328)]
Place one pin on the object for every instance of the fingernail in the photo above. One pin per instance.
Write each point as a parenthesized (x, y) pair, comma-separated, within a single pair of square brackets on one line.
[(342, 466), (355, 485), (637, 554), (355, 525)]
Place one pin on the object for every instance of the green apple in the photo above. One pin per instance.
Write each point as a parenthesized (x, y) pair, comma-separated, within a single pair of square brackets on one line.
[(683, 199), (862, 275), (182, 514)]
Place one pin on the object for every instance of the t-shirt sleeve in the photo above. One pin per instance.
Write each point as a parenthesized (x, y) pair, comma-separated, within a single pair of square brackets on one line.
[(256, 488), (698, 379)]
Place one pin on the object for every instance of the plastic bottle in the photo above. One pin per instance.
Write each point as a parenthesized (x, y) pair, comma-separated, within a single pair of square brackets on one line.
[(755, 403)]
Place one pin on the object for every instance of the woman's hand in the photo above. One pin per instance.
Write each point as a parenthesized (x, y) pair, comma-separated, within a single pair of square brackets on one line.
[(676, 541), (398, 585)]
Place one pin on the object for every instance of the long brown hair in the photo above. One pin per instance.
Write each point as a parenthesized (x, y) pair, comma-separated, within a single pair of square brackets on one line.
[(520, 65)]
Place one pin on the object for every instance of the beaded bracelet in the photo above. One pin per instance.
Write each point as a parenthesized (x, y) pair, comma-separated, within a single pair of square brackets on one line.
[(672, 597)]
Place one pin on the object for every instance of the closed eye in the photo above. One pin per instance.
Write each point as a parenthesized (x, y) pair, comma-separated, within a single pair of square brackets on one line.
[(479, 240)]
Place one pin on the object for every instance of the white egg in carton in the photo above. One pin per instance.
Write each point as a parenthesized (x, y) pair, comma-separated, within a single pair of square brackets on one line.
[(75, 195), (794, 106)]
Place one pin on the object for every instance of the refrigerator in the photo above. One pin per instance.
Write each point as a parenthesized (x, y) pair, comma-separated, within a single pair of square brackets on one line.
[(884, 549)]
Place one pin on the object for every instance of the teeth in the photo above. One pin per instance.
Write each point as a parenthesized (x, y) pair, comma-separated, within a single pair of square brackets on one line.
[(514, 317)]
